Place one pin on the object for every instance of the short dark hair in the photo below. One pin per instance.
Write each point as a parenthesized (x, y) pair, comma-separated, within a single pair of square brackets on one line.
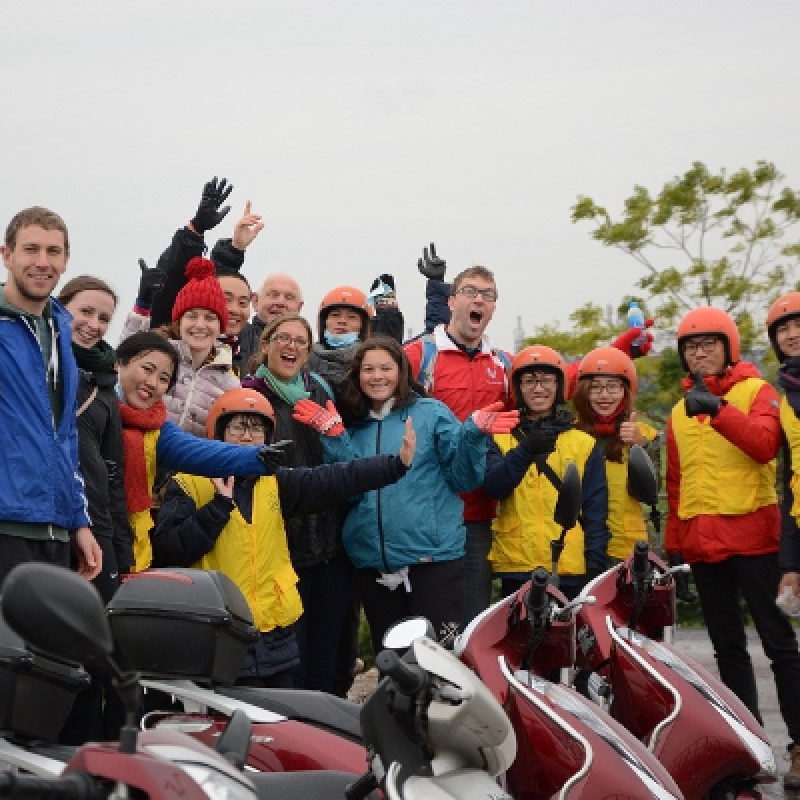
[(484, 273), (232, 273), (36, 215), (146, 342), (84, 283)]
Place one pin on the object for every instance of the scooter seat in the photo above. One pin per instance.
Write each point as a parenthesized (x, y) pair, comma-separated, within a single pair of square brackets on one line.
[(303, 785), (325, 711)]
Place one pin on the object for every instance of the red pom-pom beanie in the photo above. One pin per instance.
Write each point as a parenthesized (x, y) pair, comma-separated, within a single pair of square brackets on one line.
[(202, 291)]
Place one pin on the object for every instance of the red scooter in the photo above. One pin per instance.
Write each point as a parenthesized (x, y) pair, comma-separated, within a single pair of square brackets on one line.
[(697, 728), (568, 747), (61, 616)]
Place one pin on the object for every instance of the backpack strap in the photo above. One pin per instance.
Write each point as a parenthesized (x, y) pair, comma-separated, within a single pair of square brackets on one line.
[(429, 353), (323, 383), (87, 402)]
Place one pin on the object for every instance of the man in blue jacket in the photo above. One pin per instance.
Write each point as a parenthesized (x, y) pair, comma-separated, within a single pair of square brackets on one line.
[(42, 502)]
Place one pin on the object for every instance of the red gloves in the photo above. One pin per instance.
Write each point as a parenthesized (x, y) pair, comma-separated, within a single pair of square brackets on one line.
[(323, 420), (493, 419), (625, 341)]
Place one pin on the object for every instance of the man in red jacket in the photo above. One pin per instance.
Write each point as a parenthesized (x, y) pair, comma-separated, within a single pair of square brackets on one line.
[(722, 440)]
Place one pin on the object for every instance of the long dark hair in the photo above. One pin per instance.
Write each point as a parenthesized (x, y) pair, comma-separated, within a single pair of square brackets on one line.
[(353, 403), (587, 418), (146, 342)]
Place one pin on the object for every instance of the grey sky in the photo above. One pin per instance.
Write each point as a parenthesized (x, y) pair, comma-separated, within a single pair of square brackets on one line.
[(363, 130)]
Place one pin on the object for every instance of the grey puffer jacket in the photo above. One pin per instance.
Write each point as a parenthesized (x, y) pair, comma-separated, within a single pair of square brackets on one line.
[(195, 390)]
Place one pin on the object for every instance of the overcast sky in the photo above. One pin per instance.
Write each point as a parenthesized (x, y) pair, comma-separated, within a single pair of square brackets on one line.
[(363, 130)]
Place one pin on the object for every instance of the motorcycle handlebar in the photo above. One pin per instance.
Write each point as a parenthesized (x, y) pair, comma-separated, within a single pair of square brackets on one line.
[(641, 560), (75, 786), (537, 596), (408, 678)]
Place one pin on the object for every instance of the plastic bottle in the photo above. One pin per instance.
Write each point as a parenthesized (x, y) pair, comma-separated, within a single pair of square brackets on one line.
[(636, 320)]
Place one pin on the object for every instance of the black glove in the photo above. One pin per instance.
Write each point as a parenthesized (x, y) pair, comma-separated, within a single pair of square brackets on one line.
[(699, 400), (209, 214), (150, 282), (273, 456), (431, 266), (387, 299), (539, 442)]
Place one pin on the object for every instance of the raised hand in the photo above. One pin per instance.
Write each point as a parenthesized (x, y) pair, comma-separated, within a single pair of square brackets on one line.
[(272, 456), (382, 291), (409, 446), (493, 419), (247, 228), (325, 421), (209, 214), (625, 341), (629, 431), (150, 282), (224, 486), (430, 265), (540, 441), (700, 400)]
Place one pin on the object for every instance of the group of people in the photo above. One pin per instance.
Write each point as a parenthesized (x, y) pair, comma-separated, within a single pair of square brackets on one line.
[(331, 467)]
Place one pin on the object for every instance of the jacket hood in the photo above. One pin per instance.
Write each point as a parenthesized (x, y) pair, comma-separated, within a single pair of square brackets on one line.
[(9, 310)]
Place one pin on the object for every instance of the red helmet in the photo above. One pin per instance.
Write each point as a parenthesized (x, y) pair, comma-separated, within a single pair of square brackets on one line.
[(612, 362), (711, 321), (782, 310), (344, 297), (238, 401), (539, 356)]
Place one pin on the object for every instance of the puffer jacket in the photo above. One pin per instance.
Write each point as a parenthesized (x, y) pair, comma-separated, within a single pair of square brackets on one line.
[(419, 519), (195, 390)]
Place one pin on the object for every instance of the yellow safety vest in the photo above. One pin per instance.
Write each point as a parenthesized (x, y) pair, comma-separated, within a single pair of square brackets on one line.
[(791, 430), (524, 525), (142, 521), (716, 476), (255, 555)]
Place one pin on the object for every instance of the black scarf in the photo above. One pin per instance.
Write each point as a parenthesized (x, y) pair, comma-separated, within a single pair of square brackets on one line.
[(100, 358), (789, 379)]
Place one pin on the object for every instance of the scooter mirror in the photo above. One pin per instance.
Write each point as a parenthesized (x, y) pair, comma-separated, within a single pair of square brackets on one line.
[(400, 636), (570, 500), (58, 612), (642, 476)]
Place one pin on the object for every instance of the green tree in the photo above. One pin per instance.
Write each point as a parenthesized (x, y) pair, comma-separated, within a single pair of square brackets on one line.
[(708, 239)]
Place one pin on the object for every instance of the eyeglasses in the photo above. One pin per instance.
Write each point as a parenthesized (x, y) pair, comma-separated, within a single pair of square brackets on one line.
[(490, 295), (240, 428), (285, 338), (706, 345), (612, 387), (545, 381)]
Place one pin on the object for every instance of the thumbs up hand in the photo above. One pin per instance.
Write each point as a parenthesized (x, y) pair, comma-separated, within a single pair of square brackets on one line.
[(629, 431), (699, 400)]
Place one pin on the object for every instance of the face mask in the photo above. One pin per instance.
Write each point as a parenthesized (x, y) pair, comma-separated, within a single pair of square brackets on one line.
[(337, 340)]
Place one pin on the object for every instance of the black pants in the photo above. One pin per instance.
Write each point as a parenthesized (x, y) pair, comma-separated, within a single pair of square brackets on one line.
[(437, 593), (15, 550), (720, 587)]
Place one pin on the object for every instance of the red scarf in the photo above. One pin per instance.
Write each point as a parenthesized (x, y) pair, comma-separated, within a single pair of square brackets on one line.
[(606, 424), (134, 425)]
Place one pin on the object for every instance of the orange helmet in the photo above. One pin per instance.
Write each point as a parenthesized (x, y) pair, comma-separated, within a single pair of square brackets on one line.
[(783, 309), (238, 401), (711, 321), (612, 362), (344, 297), (535, 357)]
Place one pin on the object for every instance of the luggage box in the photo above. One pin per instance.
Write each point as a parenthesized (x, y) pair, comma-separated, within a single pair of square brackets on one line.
[(181, 623), (36, 691)]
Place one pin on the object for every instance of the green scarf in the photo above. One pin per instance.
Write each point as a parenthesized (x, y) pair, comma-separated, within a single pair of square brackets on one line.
[(100, 358), (289, 391)]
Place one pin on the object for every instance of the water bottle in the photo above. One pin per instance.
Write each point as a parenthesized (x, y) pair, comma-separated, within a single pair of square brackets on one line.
[(636, 320)]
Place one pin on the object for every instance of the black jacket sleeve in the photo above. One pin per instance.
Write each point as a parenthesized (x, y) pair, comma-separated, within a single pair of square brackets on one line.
[(504, 474), (306, 490), (789, 546), (437, 311), (185, 245), (388, 322), (185, 533), (114, 456), (226, 257)]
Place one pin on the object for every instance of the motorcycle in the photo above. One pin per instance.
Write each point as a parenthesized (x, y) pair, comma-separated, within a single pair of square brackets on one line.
[(61, 616)]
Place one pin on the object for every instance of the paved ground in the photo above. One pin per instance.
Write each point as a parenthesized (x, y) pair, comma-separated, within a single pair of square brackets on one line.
[(695, 643)]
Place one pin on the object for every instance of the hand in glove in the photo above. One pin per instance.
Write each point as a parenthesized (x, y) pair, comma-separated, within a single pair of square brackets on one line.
[(540, 441), (273, 456), (699, 400), (382, 293), (430, 265), (493, 419), (150, 282), (209, 214), (323, 420), (625, 341)]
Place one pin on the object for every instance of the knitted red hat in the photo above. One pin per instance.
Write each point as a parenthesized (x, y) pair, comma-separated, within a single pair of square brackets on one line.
[(202, 291)]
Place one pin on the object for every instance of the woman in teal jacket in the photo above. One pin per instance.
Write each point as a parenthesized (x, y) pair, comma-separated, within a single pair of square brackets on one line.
[(407, 543)]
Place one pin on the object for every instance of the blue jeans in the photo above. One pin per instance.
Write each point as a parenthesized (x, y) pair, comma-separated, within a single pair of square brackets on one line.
[(325, 589), (477, 569)]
